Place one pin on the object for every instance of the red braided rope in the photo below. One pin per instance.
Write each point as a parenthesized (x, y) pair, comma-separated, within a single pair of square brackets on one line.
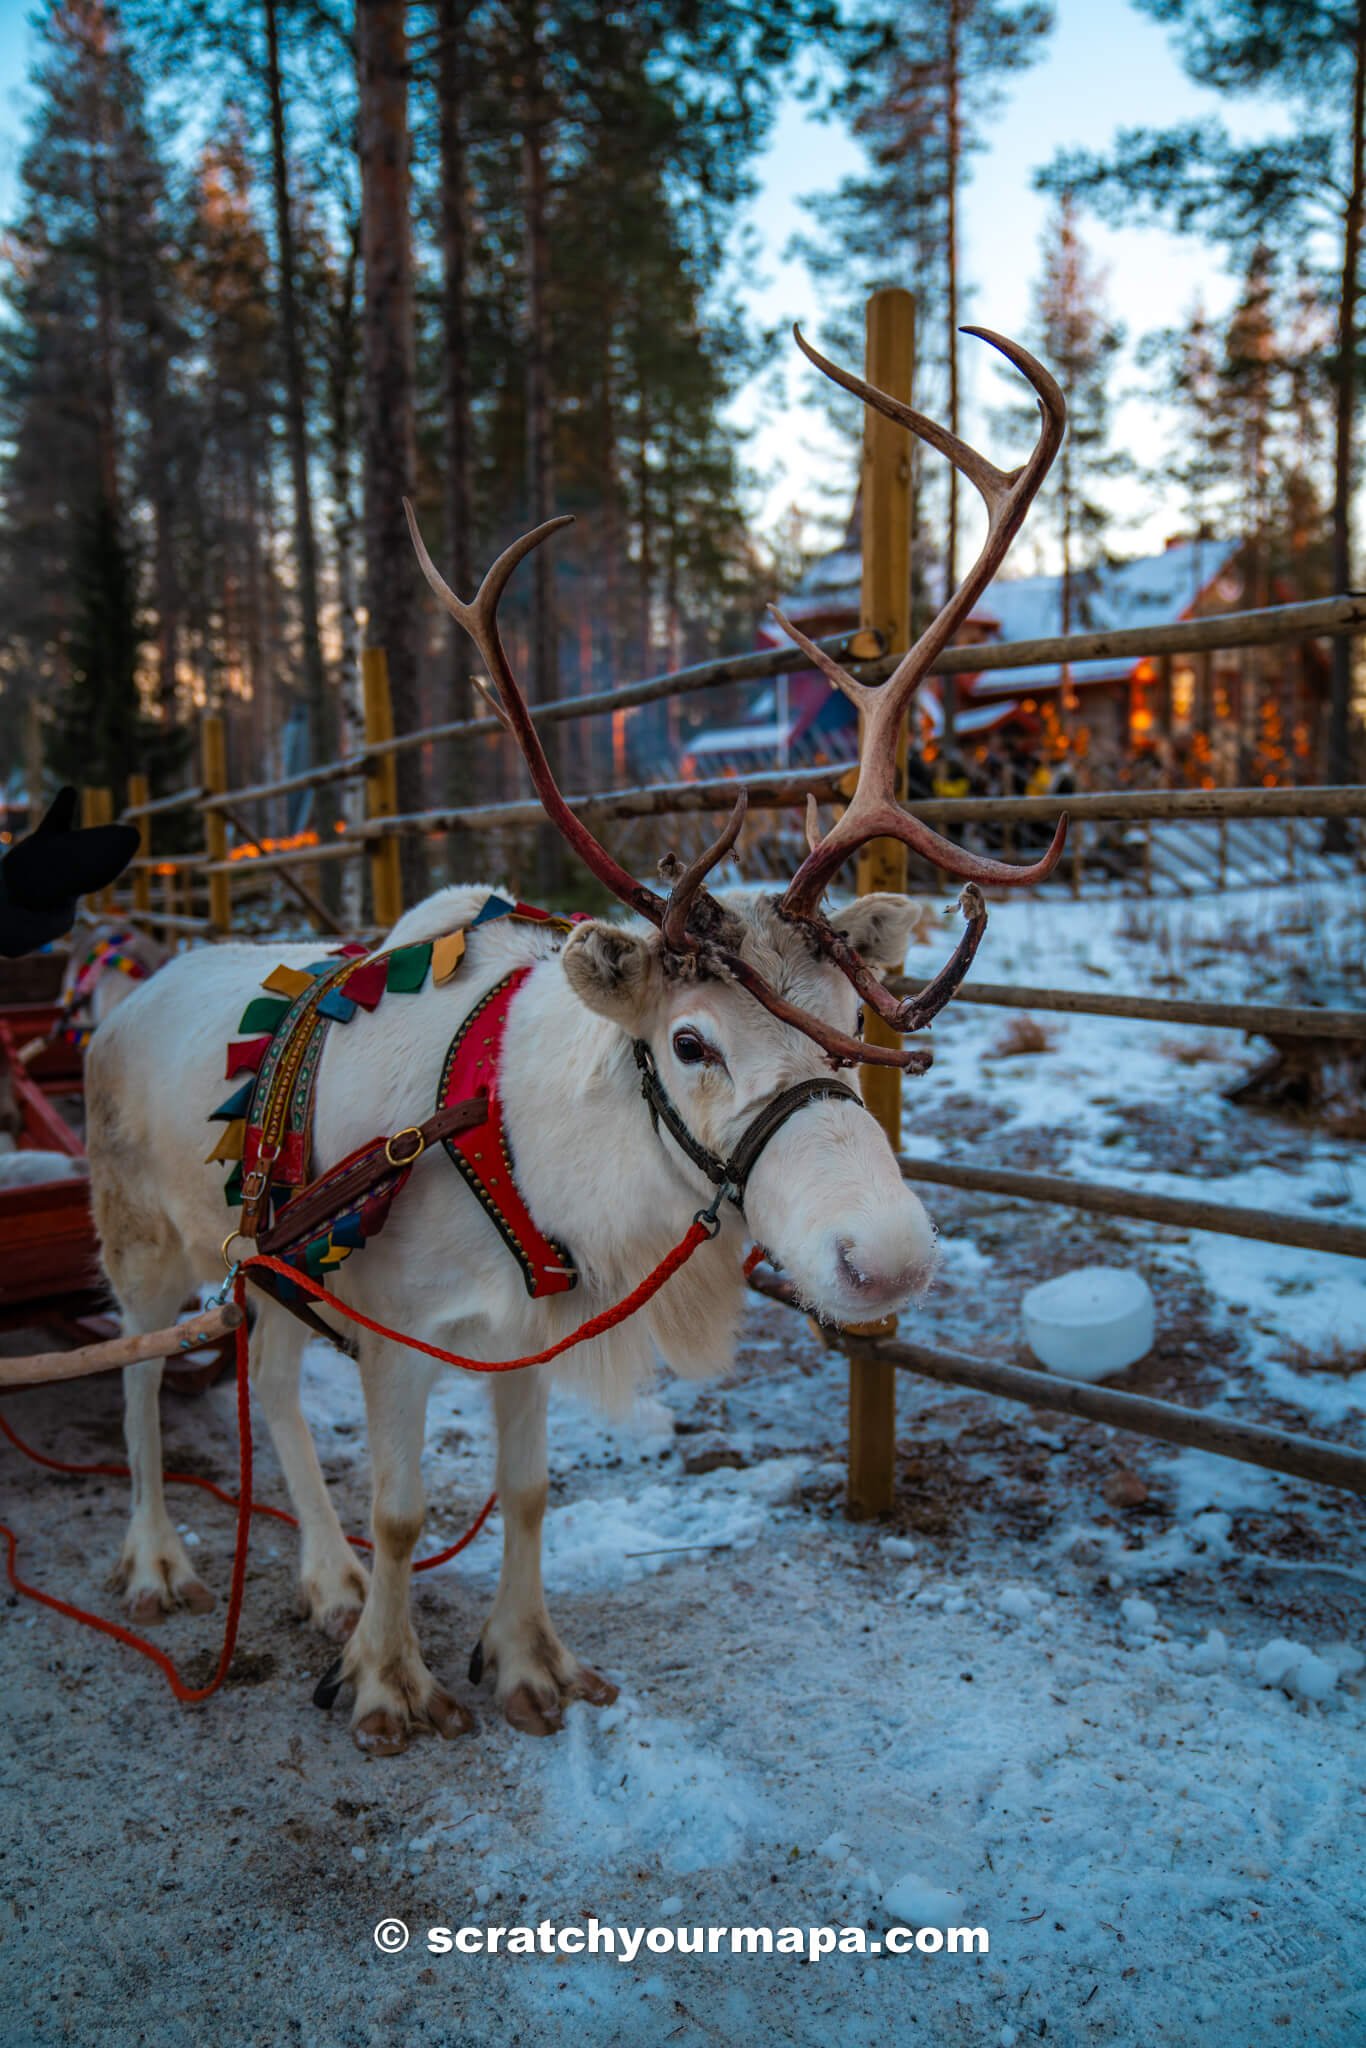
[(246, 1506)]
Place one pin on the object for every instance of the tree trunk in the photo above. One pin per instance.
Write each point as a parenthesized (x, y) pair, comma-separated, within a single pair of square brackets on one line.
[(948, 684), (1340, 704), (296, 425), (1067, 704), (350, 696), (387, 326), (539, 428), (163, 492), (457, 484)]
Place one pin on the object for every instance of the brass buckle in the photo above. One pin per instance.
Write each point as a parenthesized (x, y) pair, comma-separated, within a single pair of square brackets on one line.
[(408, 1158)]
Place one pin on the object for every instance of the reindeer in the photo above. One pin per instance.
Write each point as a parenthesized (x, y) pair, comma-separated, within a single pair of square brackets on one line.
[(739, 1010)]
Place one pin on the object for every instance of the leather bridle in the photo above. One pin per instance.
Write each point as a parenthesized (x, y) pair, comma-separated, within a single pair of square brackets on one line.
[(730, 1177)]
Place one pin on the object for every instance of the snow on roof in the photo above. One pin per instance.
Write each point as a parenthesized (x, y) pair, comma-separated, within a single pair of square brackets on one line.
[(743, 739), (831, 583), (1153, 590), (981, 719)]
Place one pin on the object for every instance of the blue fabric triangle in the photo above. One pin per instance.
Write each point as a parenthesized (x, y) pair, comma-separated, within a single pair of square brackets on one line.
[(346, 1230), (495, 907), (317, 967), (335, 1004), (235, 1106)]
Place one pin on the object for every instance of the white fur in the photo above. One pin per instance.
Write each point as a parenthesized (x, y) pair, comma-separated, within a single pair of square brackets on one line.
[(826, 1198)]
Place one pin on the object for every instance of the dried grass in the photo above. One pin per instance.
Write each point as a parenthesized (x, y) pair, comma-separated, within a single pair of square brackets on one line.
[(1022, 1035), (1336, 1360), (1193, 1052)]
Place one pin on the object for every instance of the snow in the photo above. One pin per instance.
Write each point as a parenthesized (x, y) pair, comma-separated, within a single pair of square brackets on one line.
[(917, 1901), (1126, 1740), (1296, 1670)]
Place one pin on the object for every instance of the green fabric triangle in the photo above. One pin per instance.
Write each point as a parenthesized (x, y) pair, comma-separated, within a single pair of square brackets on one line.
[(408, 969), (264, 1013), (232, 1187)]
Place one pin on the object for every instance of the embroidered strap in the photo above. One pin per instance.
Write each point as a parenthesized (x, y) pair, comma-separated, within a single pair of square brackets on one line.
[(279, 1123), (483, 1155)]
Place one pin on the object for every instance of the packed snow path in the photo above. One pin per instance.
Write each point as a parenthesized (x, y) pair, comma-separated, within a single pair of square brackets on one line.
[(1101, 1699)]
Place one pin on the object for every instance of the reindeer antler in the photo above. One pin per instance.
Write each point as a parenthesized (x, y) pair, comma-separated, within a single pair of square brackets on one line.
[(480, 620), (873, 811)]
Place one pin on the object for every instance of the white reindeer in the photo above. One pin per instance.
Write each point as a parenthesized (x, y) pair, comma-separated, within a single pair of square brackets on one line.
[(738, 1000)]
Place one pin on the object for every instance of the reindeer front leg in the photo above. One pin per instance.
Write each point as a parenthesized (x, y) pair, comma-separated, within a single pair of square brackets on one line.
[(536, 1675), (396, 1695)]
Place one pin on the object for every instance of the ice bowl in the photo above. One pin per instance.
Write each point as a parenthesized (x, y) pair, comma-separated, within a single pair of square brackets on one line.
[(1090, 1323)]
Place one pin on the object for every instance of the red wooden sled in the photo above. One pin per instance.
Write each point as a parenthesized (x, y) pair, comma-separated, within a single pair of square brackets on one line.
[(49, 1264)]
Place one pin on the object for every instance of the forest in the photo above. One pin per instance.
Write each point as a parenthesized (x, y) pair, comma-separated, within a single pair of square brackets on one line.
[(272, 267)]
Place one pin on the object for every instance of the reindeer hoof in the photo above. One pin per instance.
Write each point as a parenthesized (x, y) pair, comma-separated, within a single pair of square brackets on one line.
[(339, 1623), (532, 1716), (381, 1734), (592, 1687), (332, 1598), (147, 1608), (151, 1605), (477, 1663), (447, 1716)]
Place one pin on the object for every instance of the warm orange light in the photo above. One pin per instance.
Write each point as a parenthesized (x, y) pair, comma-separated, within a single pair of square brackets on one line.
[(292, 844)]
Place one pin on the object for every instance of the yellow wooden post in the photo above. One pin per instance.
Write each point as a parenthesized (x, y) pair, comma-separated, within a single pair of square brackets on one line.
[(97, 808), (139, 793), (213, 756), (885, 606), (381, 789)]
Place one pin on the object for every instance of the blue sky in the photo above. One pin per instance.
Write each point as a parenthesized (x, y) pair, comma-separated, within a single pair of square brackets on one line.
[(1106, 66)]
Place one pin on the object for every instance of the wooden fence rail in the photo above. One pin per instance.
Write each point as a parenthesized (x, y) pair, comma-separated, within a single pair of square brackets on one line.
[(1251, 1443), (871, 652)]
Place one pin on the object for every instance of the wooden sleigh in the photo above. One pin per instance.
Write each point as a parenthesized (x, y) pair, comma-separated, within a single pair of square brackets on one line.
[(50, 1276)]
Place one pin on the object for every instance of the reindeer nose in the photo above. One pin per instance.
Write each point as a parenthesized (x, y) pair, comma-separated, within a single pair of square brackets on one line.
[(887, 1261)]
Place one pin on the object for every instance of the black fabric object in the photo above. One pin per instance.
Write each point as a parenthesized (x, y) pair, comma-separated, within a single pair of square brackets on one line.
[(41, 877)]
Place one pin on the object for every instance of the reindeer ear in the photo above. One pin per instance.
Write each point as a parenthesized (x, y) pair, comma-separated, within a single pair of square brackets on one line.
[(609, 970), (879, 928)]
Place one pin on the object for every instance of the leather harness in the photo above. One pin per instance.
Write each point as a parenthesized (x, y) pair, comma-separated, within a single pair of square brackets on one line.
[(320, 1221), (730, 1177)]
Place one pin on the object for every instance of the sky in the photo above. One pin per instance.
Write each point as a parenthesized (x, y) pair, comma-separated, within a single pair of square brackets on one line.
[(1106, 66)]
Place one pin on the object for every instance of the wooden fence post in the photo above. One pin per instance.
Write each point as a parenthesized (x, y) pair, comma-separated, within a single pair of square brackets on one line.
[(381, 789), (139, 792), (885, 606), (213, 745), (97, 808)]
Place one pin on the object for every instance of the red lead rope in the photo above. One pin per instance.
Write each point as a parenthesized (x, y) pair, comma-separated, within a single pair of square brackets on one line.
[(697, 1234)]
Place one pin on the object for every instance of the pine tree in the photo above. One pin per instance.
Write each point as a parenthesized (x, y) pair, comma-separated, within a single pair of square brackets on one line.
[(91, 344), (1078, 340), (1290, 192)]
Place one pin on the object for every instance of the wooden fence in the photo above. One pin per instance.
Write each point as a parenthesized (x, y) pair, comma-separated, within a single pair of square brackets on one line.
[(196, 891)]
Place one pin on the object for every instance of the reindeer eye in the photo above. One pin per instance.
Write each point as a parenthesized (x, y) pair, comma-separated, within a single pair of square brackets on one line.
[(689, 1048)]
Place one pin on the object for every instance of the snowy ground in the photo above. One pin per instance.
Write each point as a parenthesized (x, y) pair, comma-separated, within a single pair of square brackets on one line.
[(1101, 1699)]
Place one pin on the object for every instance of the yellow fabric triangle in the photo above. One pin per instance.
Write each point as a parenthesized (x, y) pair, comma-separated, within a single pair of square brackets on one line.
[(229, 1146), (336, 1255), (287, 981), (447, 953)]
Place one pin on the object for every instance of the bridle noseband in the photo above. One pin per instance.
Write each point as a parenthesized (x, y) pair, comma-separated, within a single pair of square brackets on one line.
[(730, 1177)]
